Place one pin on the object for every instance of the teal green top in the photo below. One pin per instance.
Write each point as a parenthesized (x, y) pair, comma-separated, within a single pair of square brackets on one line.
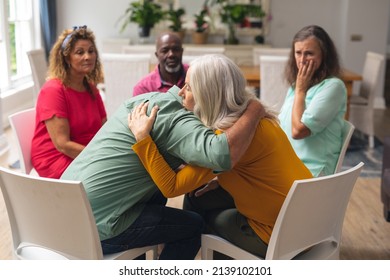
[(116, 183), (324, 116)]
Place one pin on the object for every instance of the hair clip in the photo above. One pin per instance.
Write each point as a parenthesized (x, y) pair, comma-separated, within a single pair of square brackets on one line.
[(79, 27), (67, 38)]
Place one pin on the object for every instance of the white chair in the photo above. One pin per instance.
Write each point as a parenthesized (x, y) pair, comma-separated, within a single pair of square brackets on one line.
[(347, 134), (187, 59), (39, 67), (309, 223), (197, 51), (121, 73), (361, 107), (141, 49), (23, 126), (52, 219), (273, 85), (256, 52)]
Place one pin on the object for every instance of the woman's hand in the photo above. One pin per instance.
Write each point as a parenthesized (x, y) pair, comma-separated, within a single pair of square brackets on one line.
[(210, 186), (305, 73), (139, 123)]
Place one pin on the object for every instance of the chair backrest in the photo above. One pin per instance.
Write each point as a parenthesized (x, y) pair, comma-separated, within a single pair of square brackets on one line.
[(52, 219), (23, 126), (197, 51), (187, 59), (39, 67), (373, 66), (309, 224), (348, 130), (361, 106), (121, 73), (273, 85), (49, 218), (189, 52), (257, 52), (141, 49)]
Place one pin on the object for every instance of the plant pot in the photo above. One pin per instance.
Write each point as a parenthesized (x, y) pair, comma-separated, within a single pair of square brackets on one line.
[(231, 38), (144, 31), (181, 34), (259, 39), (231, 41), (199, 37)]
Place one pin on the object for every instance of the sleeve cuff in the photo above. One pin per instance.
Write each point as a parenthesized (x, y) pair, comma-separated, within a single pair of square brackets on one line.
[(144, 142)]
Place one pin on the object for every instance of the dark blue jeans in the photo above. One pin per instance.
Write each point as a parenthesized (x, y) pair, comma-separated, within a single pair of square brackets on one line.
[(178, 229)]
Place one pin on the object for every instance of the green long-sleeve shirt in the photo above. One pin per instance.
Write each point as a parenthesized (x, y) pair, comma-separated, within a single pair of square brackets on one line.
[(116, 183)]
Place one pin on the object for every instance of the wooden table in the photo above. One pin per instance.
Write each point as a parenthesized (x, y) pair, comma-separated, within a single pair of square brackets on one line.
[(252, 75)]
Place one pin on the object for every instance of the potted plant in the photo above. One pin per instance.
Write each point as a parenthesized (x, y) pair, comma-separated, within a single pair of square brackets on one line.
[(145, 13), (199, 36), (234, 14), (174, 16), (231, 15)]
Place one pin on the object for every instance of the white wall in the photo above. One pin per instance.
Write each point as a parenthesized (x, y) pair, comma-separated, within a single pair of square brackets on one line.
[(288, 16), (101, 16), (373, 30), (341, 19)]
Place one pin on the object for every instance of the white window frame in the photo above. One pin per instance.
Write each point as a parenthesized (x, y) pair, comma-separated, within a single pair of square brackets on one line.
[(25, 16)]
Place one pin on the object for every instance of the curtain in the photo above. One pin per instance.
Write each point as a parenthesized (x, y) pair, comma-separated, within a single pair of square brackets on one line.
[(48, 16)]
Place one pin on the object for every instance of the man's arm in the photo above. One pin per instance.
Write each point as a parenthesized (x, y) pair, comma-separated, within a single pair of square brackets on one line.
[(240, 135)]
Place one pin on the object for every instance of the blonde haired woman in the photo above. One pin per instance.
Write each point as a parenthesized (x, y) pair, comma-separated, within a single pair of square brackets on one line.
[(244, 208), (69, 109)]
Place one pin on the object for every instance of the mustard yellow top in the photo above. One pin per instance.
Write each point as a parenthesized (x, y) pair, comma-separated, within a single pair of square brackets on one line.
[(258, 183)]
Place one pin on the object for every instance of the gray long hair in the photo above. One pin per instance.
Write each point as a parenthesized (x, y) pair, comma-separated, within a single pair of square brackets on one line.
[(219, 89)]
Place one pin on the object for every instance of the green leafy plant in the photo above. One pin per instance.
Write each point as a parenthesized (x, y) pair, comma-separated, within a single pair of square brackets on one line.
[(175, 17), (144, 12), (233, 14), (201, 23)]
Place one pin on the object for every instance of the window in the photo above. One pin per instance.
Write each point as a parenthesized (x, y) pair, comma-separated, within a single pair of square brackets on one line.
[(18, 32)]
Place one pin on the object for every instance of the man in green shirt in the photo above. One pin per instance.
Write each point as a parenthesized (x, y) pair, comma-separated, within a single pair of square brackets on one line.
[(129, 209)]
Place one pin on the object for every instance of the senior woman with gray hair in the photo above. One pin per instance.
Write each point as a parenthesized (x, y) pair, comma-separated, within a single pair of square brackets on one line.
[(242, 204)]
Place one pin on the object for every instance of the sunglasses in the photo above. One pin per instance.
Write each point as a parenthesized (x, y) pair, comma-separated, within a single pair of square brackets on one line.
[(67, 38)]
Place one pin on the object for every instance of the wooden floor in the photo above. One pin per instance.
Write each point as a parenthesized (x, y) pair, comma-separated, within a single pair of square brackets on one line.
[(366, 234)]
